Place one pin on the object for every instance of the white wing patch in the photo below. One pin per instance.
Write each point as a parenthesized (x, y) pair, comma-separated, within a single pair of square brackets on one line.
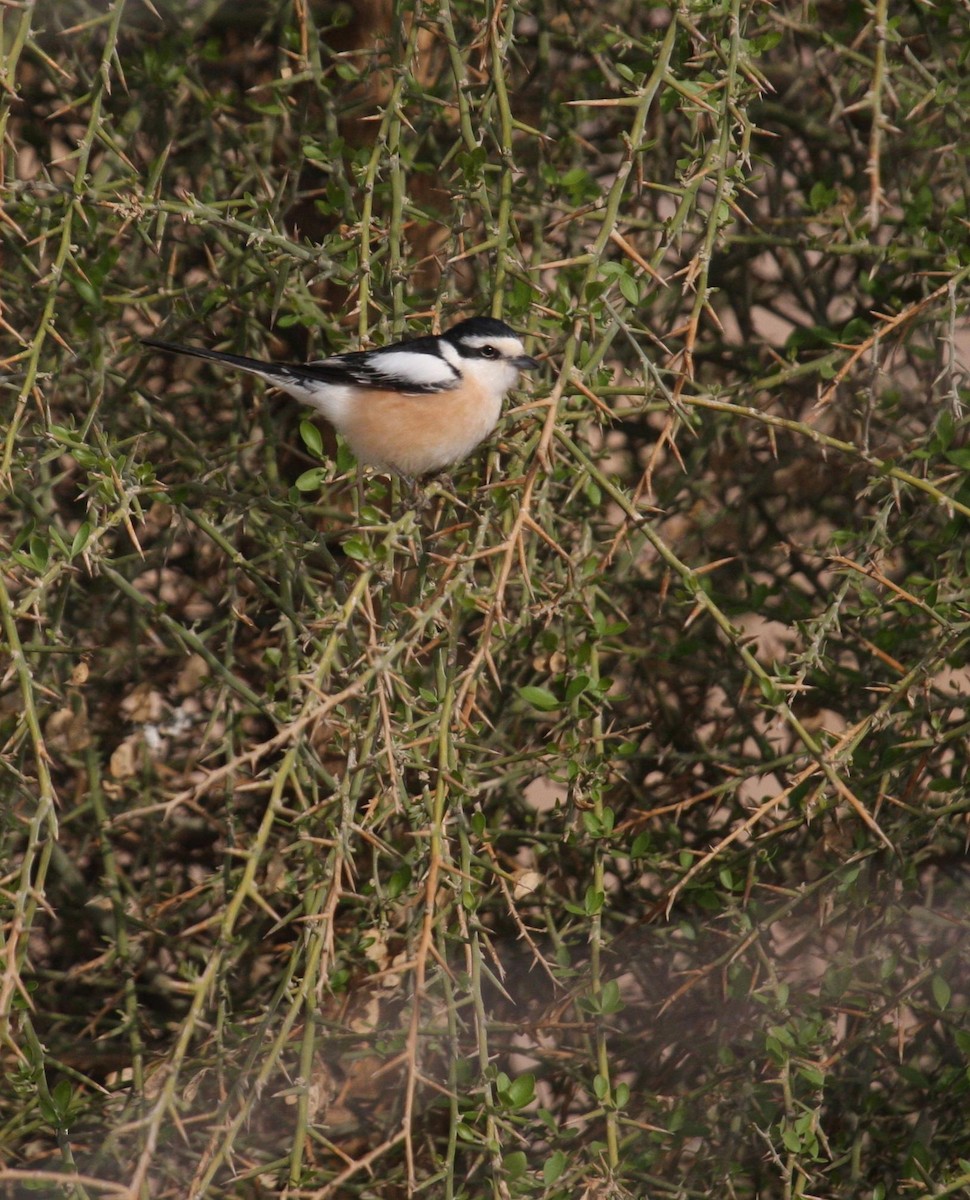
[(402, 367)]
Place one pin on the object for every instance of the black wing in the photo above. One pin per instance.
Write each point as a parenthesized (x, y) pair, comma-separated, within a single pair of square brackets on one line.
[(415, 367)]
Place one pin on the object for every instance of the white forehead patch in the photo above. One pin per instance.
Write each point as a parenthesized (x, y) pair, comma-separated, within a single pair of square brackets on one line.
[(508, 347)]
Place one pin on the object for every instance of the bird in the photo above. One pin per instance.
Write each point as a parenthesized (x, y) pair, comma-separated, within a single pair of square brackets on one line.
[(411, 408)]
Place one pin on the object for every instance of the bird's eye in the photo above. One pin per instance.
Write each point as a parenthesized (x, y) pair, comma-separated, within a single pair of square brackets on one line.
[(488, 352)]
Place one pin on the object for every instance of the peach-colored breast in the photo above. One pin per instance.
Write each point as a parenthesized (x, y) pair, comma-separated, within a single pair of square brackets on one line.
[(416, 434)]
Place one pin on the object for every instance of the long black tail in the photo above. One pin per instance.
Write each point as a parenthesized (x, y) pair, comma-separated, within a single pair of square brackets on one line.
[(254, 365)]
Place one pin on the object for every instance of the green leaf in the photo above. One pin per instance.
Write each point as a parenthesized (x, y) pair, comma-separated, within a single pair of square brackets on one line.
[(599, 824), (61, 1094), (311, 480), (39, 551), (88, 294), (945, 785), (356, 548), (81, 538), (610, 1001), (522, 1091), (48, 1111), (945, 429), (345, 458), (398, 881), (515, 1164), (821, 196), (540, 697), (766, 41), (641, 844), (941, 992), (312, 438), (553, 1167), (629, 289)]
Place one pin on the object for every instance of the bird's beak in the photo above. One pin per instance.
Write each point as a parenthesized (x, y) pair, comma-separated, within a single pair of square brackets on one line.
[(524, 363)]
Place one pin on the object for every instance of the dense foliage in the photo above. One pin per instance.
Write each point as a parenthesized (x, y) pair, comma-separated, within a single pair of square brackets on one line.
[(591, 821)]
